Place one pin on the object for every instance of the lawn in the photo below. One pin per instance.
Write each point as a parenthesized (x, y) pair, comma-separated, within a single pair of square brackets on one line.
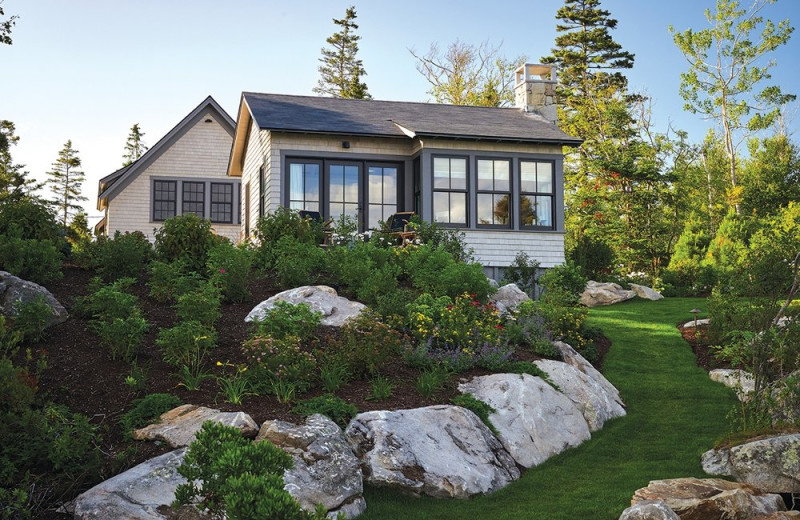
[(675, 413)]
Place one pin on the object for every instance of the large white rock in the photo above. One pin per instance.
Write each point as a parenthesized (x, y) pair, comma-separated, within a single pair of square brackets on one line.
[(14, 290), (442, 451), (649, 510), (534, 420), (335, 309), (742, 382), (703, 322), (326, 471), (599, 293), (642, 291), (508, 297), (771, 464), (710, 499), (135, 494), (590, 395), (179, 426), (573, 358)]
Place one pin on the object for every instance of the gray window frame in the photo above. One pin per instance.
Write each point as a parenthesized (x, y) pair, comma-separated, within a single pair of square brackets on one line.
[(156, 200), (465, 191), (493, 191), (236, 186), (201, 202), (551, 194), (232, 203)]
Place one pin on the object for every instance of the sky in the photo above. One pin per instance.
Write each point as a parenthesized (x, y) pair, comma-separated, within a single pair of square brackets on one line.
[(87, 70)]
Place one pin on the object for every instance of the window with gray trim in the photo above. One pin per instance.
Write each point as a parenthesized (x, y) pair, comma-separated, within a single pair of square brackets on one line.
[(450, 190), (304, 185), (194, 198), (536, 205), (165, 197), (494, 192), (222, 202)]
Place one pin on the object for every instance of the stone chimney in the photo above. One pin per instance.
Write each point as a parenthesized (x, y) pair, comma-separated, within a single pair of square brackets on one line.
[(535, 90)]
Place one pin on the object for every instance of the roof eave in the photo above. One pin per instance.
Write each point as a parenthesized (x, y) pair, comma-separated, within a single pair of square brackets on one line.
[(569, 141)]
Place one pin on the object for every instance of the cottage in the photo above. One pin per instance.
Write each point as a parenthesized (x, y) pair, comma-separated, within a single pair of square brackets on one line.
[(184, 172), (494, 173)]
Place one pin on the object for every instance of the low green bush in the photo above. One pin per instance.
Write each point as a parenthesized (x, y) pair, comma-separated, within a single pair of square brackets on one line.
[(229, 270), (122, 336), (298, 263), (435, 271), (279, 359), (286, 319), (201, 304), (164, 279), (37, 261), (126, 255), (186, 343), (188, 238), (366, 344), (523, 271), (147, 410), (32, 317), (283, 223), (336, 409)]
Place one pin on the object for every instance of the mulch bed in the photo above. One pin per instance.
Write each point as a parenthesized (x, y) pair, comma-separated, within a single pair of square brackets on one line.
[(702, 347)]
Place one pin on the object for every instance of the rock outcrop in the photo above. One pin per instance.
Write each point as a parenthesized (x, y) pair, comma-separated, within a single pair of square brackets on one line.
[(179, 426), (644, 292), (508, 297), (591, 396), (336, 310), (135, 494), (649, 510), (326, 471), (598, 293), (15, 290), (534, 420), (573, 358), (442, 451), (710, 499), (743, 383), (771, 464)]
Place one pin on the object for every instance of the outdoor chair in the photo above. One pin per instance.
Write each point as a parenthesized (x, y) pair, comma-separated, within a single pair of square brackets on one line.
[(399, 227)]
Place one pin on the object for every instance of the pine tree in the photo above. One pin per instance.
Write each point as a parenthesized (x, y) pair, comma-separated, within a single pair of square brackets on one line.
[(14, 181), (340, 70), (65, 182), (134, 146)]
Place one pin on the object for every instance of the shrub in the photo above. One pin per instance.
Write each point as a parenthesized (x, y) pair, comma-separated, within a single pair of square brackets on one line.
[(449, 240), (286, 319), (565, 283), (186, 343), (465, 324), (32, 318), (529, 330), (147, 410), (106, 301), (10, 339), (366, 343), (432, 380), (188, 238), (229, 475), (594, 258), (283, 223), (333, 372), (478, 407), (201, 304), (281, 359), (229, 270), (122, 336), (338, 410), (30, 218), (297, 263), (435, 271), (37, 261), (164, 279), (524, 272), (127, 255), (365, 270)]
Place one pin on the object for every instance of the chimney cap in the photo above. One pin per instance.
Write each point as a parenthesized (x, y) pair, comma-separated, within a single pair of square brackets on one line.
[(535, 72)]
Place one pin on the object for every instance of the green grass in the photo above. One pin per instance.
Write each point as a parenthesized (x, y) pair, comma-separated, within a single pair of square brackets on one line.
[(675, 413)]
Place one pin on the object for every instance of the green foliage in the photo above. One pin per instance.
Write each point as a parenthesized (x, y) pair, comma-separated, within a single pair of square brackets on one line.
[(366, 344), (188, 238), (201, 304), (228, 474), (727, 251), (566, 280), (526, 367), (186, 344), (234, 387), (30, 218), (286, 319), (381, 388), (771, 178), (524, 272), (148, 410), (279, 224), (297, 263), (464, 324), (593, 257), (126, 255), (134, 145), (478, 407), (333, 372), (168, 280), (528, 330), (122, 336), (115, 317), (340, 70), (335, 408), (432, 380), (229, 268), (365, 270), (34, 260), (10, 339), (65, 181), (31, 318), (282, 359), (435, 271)]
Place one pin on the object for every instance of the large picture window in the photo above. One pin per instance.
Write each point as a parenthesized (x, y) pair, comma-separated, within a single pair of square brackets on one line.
[(304, 182), (494, 192), (194, 196), (536, 194), (450, 190), (222, 203), (382, 194), (165, 199)]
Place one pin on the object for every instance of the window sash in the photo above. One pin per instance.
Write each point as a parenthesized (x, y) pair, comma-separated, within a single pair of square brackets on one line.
[(222, 202), (165, 199), (194, 198), (537, 195), (494, 193), (450, 188), (304, 185)]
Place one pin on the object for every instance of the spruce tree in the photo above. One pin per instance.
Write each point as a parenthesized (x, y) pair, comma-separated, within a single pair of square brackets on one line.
[(14, 181), (340, 70), (65, 181), (134, 146)]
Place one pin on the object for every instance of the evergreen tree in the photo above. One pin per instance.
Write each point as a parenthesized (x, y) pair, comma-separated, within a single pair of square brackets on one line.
[(78, 233), (725, 80), (134, 146), (65, 181), (14, 181), (340, 70)]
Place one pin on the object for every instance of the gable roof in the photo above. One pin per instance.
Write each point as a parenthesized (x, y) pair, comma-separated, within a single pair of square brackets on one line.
[(399, 119), (110, 185)]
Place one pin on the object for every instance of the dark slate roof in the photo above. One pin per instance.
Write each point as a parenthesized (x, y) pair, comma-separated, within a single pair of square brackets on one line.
[(381, 118)]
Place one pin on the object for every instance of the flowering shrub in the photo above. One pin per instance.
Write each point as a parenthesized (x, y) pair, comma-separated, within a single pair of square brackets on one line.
[(229, 268), (366, 344), (281, 359), (286, 319)]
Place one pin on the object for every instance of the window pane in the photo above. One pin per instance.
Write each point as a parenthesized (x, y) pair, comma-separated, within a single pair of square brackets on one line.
[(375, 214), (441, 206), (351, 210), (544, 178), (193, 198), (221, 202), (441, 172), (458, 174), (351, 183), (337, 210), (485, 175), (458, 208), (485, 208), (501, 176), (312, 182), (526, 210), (544, 211), (375, 184), (390, 185), (164, 199), (295, 181), (501, 209), (528, 176), (337, 184)]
